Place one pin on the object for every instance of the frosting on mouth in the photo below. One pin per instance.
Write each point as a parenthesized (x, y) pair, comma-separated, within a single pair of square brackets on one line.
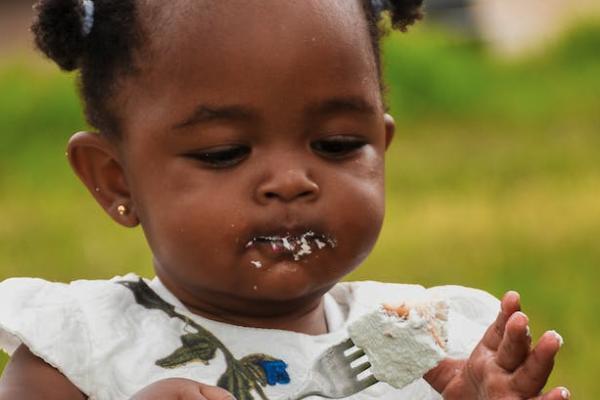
[(298, 245)]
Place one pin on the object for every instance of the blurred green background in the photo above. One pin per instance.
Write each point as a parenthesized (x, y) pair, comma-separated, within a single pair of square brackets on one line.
[(493, 182)]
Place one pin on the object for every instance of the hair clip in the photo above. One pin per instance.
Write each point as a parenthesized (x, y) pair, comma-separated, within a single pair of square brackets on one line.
[(380, 6), (88, 17)]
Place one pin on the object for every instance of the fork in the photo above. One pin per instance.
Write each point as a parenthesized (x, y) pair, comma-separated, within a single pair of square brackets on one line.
[(333, 377)]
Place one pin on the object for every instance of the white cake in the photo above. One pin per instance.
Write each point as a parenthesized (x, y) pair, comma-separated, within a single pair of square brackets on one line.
[(403, 342)]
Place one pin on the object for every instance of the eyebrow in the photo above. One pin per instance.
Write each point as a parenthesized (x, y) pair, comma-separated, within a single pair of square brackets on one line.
[(341, 105), (240, 113), (205, 114)]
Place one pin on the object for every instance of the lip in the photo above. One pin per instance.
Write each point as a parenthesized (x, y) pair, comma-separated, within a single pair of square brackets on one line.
[(295, 242)]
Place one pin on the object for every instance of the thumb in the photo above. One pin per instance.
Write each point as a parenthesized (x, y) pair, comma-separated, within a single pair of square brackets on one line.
[(443, 373), (215, 393)]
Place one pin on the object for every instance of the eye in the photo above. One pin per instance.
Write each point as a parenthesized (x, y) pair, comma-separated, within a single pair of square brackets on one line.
[(222, 156), (338, 146)]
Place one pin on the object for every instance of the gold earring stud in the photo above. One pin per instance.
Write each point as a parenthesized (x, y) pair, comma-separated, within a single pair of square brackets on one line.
[(122, 210)]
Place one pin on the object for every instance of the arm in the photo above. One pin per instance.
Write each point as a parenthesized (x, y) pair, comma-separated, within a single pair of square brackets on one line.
[(180, 389), (28, 377), (50, 384)]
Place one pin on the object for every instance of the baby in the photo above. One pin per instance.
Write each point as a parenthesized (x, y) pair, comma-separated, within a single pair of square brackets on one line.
[(247, 139)]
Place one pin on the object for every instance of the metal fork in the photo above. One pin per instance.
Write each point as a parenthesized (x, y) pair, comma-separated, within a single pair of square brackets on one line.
[(333, 377)]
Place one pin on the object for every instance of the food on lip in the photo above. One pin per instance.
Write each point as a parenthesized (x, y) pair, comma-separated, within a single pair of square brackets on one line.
[(298, 245), (403, 342)]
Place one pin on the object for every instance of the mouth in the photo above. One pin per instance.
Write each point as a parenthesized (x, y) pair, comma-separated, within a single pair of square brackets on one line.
[(296, 245)]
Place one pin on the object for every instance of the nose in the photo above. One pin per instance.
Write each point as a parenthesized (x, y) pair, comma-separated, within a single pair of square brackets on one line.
[(288, 186)]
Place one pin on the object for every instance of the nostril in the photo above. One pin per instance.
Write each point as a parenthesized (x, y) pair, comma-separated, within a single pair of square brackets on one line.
[(289, 186), (283, 196)]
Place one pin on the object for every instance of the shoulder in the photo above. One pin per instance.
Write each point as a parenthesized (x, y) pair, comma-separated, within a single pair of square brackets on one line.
[(58, 322), (472, 311), (474, 304), (383, 291), (31, 303), (361, 297)]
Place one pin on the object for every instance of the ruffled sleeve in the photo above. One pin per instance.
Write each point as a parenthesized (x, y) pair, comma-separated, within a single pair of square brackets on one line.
[(46, 318), (472, 311)]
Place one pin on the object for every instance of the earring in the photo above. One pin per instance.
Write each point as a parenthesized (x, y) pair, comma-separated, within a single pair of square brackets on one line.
[(122, 209)]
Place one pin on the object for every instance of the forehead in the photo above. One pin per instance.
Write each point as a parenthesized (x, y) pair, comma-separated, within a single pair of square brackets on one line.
[(253, 51)]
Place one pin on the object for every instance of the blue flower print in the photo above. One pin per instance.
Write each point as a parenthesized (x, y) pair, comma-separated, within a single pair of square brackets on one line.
[(275, 371)]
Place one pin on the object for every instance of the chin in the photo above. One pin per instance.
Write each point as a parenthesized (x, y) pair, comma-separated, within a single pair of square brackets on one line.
[(292, 284)]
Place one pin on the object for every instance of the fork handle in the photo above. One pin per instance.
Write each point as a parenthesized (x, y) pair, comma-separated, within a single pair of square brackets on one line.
[(309, 389), (303, 395)]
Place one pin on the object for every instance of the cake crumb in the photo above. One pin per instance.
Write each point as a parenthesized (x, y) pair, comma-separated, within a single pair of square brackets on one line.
[(402, 310)]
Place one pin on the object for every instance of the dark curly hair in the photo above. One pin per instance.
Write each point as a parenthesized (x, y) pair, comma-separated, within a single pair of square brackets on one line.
[(107, 52)]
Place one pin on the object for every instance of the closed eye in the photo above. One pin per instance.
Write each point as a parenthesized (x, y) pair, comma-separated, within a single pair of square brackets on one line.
[(221, 156), (338, 147)]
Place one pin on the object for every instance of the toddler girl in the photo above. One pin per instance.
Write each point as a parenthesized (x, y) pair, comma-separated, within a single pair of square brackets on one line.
[(247, 138)]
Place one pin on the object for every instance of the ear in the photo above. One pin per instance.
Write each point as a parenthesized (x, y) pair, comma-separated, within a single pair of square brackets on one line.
[(96, 161), (390, 129)]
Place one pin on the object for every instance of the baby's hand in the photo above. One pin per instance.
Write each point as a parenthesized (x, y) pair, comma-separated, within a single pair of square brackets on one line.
[(181, 389), (503, 365)]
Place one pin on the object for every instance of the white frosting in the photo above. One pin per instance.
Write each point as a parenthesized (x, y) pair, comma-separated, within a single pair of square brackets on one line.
[(298, 246), (402, 349)]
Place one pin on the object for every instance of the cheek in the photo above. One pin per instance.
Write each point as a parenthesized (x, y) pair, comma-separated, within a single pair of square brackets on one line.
[(359, 206), (362, 217), (188, 223)]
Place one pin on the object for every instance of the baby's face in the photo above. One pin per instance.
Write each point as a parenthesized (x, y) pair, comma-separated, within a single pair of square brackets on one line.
[(254, 146)]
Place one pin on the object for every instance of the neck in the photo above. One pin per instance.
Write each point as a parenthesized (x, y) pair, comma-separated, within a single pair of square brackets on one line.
[(310, 321), (306, 315)]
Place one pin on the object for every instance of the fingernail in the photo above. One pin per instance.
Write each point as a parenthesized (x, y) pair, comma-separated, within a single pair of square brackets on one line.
[(528, 331), (514, 293), (558, 338), (522, 315), (565, 394)]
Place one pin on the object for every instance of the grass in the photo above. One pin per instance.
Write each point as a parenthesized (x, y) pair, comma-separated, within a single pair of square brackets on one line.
[(493, 182)]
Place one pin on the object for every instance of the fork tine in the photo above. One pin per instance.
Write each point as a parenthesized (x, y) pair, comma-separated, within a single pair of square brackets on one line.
[(346, 344), (369, 381), (362, 367), (332, 375), (355, 356)]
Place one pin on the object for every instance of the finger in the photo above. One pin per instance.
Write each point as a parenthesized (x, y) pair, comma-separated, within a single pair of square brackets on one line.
[(187, 392), (515, 344), (531, 376), (559, 393), (439, 377), (510, 304), (215, 393)]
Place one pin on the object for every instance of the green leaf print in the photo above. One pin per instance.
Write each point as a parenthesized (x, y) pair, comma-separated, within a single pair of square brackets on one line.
[(236, 383), (146, 297), (251, 363), (241, 378), (196, 347), (240, 381)]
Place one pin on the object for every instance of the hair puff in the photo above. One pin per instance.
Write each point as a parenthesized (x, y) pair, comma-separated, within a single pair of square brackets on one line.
[(405, 13), (57, 31)]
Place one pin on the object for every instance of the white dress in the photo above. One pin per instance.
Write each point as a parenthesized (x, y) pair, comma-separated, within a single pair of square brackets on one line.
[(111, 338)]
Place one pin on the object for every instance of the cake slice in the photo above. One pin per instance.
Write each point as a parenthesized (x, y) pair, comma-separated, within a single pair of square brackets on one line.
[(403, 341)]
